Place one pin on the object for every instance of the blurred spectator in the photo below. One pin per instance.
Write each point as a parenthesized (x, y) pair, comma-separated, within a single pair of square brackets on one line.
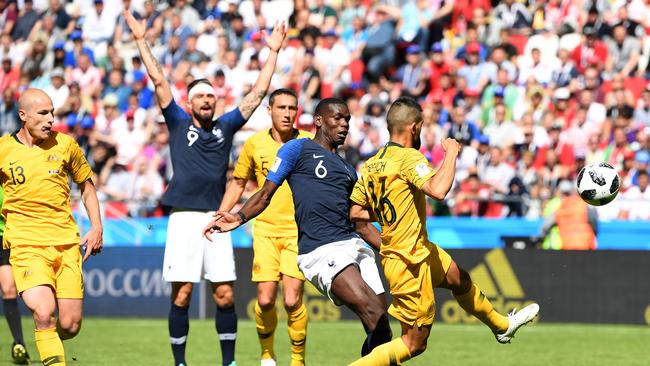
[(412, 76), (502, 132), (624, 52), (471, 197), (25, 21), (576, 221), (461, 129), (9, 122), (635, 201), (145, 189), (379, 51), (57, 90), (9, 75)]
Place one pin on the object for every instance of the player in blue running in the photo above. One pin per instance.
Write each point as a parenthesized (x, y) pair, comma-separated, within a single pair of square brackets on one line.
[(331, 254), (200, 146)]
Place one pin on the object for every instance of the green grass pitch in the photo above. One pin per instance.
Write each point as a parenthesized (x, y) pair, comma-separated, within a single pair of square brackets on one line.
[(123, 341)]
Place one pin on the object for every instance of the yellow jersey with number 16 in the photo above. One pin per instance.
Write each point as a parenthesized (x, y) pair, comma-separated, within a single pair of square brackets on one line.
[(390, 186), (36, 190)]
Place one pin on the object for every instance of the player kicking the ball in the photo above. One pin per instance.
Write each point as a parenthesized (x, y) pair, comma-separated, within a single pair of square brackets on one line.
[(331, 255), (392, 191)]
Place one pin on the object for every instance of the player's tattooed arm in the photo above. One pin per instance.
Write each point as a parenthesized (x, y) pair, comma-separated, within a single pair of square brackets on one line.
[(163, 90), (253, 99)]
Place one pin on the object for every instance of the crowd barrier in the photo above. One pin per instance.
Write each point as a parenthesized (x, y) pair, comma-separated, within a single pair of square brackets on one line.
[(450, 233), (570, 286)]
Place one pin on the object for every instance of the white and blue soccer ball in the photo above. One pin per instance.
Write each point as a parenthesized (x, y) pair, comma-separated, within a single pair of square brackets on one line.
[(598, 184)]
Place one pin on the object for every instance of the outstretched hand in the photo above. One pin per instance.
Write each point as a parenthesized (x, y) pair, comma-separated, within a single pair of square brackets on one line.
[(137, 27), (276, 38), (221, 223)]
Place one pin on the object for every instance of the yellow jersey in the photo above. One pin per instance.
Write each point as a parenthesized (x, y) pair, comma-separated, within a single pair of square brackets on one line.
[(36, 192), (390, 186), (255, 160)]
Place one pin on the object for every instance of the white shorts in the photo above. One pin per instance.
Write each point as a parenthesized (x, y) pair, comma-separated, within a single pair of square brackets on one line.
[(188, 255), (321, 265)]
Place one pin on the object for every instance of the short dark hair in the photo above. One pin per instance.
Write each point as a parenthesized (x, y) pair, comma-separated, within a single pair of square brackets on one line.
[(281, 91), (324, 105), (403, 111), (198, 81)]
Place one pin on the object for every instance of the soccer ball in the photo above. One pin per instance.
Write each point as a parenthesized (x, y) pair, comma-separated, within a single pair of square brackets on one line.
[(598, 184)]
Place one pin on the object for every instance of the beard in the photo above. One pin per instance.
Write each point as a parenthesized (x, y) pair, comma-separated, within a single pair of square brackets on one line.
[(417, 142), (204, 121)]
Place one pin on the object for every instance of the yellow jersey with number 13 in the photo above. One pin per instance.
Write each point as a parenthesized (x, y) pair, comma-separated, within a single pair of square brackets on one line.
[(37, 195), (390, 186)]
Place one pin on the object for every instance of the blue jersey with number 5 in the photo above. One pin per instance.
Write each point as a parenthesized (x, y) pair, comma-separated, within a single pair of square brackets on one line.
[(321, 183)]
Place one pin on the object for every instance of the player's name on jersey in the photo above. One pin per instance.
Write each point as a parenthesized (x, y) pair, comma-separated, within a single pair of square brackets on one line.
[(378, 166)]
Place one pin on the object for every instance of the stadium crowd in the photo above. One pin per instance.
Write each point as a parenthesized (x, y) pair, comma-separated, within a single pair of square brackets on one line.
[(532, 89)]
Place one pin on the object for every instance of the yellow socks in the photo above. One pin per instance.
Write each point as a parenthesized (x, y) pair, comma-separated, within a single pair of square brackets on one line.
[(265, 322), (475, 303), (297, 327), (392, 353), (50, 347)]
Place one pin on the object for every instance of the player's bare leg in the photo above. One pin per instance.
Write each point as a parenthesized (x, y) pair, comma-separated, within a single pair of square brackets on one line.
[(41, 301), (225, 320), (12, 314), (296, 318), (70, 315), (412, 343), (178, 321), (266, 319), (472, 300), (354, 292)]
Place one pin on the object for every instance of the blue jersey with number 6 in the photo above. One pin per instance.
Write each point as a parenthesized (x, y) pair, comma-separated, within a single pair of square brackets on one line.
[(321, 183)]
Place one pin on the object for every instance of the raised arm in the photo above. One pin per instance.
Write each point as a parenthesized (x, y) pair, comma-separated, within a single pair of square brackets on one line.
[(253, 99), (439, 185), (163, 91)]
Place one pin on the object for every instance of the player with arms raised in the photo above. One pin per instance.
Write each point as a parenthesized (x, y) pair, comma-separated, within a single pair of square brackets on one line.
[(392, 190), (331, 255), (275, 236), (35, 163), (200, 149)]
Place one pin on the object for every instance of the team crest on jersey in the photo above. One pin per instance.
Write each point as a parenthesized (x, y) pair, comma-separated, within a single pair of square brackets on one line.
[(217, 132), (53, 158)]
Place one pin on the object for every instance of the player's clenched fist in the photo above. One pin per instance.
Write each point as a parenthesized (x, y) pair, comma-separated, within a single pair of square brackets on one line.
[(450, 145)]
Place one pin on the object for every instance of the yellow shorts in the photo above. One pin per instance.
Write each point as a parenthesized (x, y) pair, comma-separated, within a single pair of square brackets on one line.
[(56, 266), (274, 256), (412, 286)]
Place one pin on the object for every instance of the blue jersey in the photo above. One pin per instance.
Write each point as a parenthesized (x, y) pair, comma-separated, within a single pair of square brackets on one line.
[(321, 183), (199, 157)]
